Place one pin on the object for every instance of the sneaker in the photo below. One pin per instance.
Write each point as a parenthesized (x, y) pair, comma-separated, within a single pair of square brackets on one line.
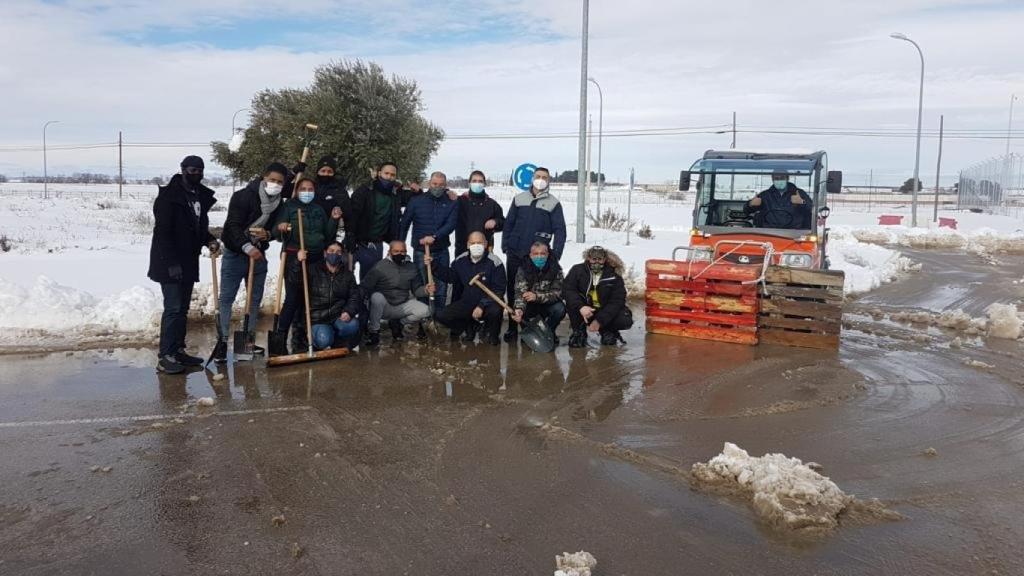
[(258, 350), (396, 329), (578, 338), (512, 334), (421, 333), (169, 365), (186, 359), (220, 352), (372, 339), (609, 337)]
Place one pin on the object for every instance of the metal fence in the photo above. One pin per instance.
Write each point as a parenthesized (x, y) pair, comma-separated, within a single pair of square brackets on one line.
[(995, 186)]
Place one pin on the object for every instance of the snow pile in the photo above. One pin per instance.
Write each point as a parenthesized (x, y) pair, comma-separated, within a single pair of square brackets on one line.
[(1003, 321), (786, 493), (867, 266), (977, 240), (575, 564), (53, 307), (236, 142)]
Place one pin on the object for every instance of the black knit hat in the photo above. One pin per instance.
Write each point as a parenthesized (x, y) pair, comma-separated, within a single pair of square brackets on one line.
[(276, 167), (328, 161), (192, 162)]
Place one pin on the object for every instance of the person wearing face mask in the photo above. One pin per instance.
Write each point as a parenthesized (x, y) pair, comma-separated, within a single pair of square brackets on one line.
[(392, 286), (432, 217), (180, 231), (535, 216), (319, 230), (471, 309), (334, 301), (595, 296), (375, 217), (539, 289), (332, 191), (784, 205), (477, 212), (246, 236)]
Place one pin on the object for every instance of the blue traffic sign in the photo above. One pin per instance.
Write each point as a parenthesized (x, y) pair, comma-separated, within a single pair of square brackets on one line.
[(523, 176)]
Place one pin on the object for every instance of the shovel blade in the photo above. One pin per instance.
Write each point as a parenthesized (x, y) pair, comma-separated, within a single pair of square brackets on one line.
[(243, 345), (537, 336), (277, 343)]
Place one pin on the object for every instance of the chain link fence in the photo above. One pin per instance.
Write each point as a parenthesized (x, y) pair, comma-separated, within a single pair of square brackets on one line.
[(995, 186)]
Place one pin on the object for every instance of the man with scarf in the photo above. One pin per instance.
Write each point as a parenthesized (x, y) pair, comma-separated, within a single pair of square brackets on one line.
[(181, 228), (246, 236), (375, 218), (595, 295), (432, 218), (538, 289)]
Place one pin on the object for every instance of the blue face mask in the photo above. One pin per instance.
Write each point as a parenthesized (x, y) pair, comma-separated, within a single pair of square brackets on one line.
[(334, 259), (476, 187), (306, 197), (780, 185), (539, 261)]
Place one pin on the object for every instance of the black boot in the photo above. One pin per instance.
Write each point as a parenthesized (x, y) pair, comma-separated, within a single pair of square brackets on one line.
[(278, 344), (220, 352), (396, 330), (186, 359), (169, 365), (470, 336), (513, 333), (421, 333), (610, 337), (578, 338), (299, 341), (372, 339)]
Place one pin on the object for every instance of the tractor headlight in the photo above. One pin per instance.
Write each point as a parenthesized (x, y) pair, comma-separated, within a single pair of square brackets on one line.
[(700, 254), (796, 260)]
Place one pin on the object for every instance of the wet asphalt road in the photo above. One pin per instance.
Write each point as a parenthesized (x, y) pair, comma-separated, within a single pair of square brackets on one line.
[(427, 459)]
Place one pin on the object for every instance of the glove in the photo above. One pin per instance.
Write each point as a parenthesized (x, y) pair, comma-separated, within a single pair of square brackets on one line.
[(174, 272), (300, 167)]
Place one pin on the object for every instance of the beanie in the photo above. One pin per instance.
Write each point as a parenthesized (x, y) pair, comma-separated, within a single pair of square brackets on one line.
[(192, 162)]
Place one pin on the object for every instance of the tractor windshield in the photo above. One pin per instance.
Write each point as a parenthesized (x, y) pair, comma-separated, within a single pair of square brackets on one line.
[(725, 188)]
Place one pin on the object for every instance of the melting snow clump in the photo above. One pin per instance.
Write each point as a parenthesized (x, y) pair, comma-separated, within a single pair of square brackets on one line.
[(575, 564), (205, 401), (1003, 321)]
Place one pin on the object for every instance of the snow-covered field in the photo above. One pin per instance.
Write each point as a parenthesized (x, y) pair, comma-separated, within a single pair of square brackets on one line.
[(74, 265)]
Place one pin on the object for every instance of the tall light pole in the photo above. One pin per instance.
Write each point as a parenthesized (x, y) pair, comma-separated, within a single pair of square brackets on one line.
[(600, 141), (920, 114), (1009, 127), (237, 112), (581, 193), (46, 176)]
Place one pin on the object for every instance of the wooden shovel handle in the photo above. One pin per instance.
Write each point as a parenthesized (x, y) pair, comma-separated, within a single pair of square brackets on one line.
[(216, 281), (248, 286), (280, 283), (475, 281), (305, 284), (430, 273)]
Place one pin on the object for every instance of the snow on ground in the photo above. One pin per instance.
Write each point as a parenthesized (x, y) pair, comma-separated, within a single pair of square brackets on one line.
[(580, 563)]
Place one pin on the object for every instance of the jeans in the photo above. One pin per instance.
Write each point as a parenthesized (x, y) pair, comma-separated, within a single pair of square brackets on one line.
[(409, 312), (366, 256), (325, 335), (552, 312), (293, 311), (234, 269), (174, 321), (442, 257)]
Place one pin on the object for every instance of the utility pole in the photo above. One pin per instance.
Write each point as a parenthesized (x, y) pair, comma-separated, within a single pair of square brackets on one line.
[(600, 143), (581, 199), (871, 188), (120, 166), (938, 170), (629, 204), (590, 148), (733, 145), (920, 114)]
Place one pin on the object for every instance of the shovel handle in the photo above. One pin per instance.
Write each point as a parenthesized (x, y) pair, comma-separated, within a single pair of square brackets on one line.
[(305, 285), (305, 156), (248, 288), (430, 273), (475, 281), (216, 281), (280, 283)]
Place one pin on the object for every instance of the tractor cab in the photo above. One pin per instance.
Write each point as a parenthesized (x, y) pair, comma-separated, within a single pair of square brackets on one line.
[(727, 227)]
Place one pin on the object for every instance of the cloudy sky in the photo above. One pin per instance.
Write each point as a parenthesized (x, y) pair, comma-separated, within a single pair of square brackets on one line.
[(176, 72)]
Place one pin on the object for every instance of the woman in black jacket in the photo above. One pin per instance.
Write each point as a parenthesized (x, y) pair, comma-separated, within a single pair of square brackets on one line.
[(595, 296), (334, 301)]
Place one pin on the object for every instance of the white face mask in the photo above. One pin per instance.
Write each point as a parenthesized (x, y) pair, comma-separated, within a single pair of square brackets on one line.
[(540, 184), (272, 188), (477, 250)]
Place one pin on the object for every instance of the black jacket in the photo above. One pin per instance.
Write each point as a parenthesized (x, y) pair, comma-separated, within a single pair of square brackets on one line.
[(490, 269), (360, 223), (334, 193), (179, 234), (330, 294), (474, 211), (774, 201), (243, 210), (611, 292), (394, 282)]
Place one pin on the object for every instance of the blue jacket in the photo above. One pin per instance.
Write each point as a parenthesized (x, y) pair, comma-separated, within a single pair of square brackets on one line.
[(463, 269), (531, 219), (430, 216)]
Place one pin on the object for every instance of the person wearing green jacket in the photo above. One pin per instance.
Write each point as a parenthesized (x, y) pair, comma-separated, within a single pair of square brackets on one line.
[(318, 231)]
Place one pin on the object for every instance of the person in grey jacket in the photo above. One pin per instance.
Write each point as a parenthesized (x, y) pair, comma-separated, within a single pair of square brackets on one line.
[(392, 286)]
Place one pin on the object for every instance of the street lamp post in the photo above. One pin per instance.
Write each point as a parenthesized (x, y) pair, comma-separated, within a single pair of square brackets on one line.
[(920, 114), (46, 176), (237, 112), (600, 142), (1009, 127), (581, 198)]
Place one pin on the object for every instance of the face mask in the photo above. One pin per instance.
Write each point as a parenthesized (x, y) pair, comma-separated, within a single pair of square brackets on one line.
[(780, 184), (387, 185), (540, 184), (306, 196), (539, 261), (321, 179), (596, 266), (399, 258), (477, 250), (476, 187), (193, 179), (334, 259), (437, 192), (272, 188)]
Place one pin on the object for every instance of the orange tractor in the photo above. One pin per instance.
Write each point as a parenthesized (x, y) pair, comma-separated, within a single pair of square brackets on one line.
[(756, 268)]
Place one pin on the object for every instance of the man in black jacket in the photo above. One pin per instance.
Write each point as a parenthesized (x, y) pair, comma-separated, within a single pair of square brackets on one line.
[(334, 301), (784, 205), (376, 213), (470, 305), (181, 228), (477, 212), (595, 295), (392, 286), (332, 191), (246, 236)]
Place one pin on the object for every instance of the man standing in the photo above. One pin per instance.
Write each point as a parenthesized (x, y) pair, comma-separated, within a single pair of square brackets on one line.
[(595, 294), (535, 216), (781, 206), (375, 218), (470, 306), (332, 191), (180, 231), (539, 289), (246, 236), (393, 285), (477, 212), (432, 218)]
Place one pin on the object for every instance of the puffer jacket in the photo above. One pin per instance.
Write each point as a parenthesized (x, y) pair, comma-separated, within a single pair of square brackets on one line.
[(490, 268), (318, 227), (546, 283), (611, 291), (331, 293), (395, 282), (429, 216), (534, 219)]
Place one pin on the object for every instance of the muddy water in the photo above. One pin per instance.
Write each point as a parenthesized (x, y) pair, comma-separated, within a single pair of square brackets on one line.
[(435, 458)]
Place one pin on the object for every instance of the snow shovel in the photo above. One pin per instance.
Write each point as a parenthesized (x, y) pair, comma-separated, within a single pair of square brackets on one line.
[(216, 304), (309, 356), (277, 343), (533, 331), (245, 340), (431, 324)]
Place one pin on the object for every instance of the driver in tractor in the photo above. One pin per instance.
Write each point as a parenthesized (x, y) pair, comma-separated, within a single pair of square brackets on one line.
[(781, 206)]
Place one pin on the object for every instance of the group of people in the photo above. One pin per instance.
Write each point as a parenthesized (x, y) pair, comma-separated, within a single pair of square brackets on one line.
[(399, 240)]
